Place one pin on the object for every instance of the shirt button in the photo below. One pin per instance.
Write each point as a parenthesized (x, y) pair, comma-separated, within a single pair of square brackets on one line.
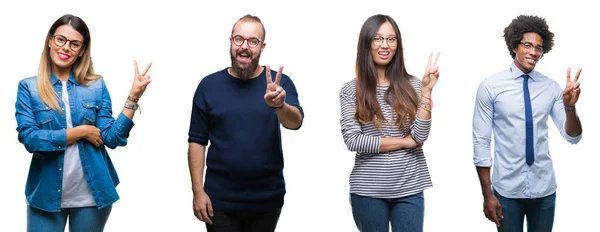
[(63, 108), (59, 146), (60, 169), (59, 190)]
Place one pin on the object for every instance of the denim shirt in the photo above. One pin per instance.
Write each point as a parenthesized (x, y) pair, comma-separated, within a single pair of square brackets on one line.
[(42, 131)]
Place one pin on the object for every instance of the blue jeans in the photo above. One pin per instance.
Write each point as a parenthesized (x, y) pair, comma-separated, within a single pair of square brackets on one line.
[(86, 219), (375, 214), (539, 212)]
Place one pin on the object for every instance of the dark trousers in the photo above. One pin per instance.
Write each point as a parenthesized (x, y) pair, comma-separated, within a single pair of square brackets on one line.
[(244, 221)]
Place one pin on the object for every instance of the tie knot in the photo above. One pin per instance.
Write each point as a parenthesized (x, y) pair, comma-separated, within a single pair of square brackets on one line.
[(525, 77)]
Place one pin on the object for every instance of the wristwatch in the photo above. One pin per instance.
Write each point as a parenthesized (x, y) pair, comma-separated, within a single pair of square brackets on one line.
[(570, 108), (131, 106)]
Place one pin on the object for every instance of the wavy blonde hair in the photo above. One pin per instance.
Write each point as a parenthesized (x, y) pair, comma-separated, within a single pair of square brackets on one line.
[(82, 69)]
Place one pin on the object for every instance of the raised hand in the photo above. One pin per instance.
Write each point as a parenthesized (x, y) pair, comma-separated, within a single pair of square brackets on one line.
[(140, 81), (572, 90), (275, 94), (431, 76)]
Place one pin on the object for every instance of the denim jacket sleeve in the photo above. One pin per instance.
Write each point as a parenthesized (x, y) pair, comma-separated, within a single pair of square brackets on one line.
[(37, 140), (114, 132)]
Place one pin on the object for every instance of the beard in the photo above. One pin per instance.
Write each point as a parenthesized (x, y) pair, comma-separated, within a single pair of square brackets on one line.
[(236, 67)]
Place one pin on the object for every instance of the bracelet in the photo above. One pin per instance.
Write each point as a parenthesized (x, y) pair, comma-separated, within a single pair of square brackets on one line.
[(428, 98), (425, 109), (133, 106), (132, 99), (570, 108)]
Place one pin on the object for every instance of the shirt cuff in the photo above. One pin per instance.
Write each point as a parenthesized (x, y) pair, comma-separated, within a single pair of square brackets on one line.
[(123, 124)]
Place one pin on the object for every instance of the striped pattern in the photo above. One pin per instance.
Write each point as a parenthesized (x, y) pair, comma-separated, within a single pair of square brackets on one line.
[(393, 174)]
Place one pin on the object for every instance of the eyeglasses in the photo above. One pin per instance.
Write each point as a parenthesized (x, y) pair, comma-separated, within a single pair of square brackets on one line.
[(391, 41), (60, 41), (239, 40), (529, 46)]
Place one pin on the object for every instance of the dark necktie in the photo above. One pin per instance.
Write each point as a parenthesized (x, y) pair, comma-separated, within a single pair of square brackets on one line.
[(528, 122)]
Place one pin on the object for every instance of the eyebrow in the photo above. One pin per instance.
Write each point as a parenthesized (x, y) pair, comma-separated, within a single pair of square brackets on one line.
[(73, 40), (533, 44), (245, 37)]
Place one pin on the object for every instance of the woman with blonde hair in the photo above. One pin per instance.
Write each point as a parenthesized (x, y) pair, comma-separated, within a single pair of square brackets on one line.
[(64, 118), (385, 118)]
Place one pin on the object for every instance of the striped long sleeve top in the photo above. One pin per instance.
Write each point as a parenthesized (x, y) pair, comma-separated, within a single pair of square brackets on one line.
[(378, 174)]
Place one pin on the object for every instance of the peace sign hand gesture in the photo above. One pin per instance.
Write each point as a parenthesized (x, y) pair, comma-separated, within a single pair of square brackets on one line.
[(572, 90), (431, 75), (275, 94), (140, 81)]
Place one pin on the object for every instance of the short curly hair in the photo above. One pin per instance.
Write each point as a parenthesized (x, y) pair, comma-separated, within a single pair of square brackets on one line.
[(513, 34)]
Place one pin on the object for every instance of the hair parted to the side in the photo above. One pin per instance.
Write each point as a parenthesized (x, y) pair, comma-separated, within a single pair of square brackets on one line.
[(401, 95), (513, 34), (251, 18), (82, 69)]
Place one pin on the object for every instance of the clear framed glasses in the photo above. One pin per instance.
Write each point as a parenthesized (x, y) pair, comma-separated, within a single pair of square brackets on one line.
[(391, 41), (239, 40), (529, 46), (60, 41)]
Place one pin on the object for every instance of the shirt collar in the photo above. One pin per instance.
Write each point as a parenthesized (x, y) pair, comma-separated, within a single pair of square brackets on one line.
[(516, 72), (72, 79)]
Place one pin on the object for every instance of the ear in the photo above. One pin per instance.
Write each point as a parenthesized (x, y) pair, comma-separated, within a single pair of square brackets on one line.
[(263, 47)]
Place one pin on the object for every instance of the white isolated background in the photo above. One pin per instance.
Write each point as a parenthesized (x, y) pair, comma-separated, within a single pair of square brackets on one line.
[(316, 41)]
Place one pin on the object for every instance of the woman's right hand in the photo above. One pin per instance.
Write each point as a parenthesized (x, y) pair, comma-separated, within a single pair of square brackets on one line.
[(92, 134)]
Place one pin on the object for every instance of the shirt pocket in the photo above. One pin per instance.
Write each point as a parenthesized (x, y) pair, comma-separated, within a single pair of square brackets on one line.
[(90, 111), (45, 117)]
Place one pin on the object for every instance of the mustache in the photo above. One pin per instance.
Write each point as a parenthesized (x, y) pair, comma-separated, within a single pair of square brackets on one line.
[(245, 52)]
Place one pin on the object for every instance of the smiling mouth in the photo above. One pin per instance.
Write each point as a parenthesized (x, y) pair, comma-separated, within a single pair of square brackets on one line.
[(63, 56), (531, 60), (244, 56), (383, 54)]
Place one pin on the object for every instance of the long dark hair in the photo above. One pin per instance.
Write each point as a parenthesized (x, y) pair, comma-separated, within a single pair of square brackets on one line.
[(400, 95)]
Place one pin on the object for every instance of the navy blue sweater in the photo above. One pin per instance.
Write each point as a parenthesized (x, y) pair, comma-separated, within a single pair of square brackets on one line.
[(245, 159)]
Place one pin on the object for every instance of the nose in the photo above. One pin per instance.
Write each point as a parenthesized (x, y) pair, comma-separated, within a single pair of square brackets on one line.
[(533, 52), (384, 43), (245, 44), (66, 46)]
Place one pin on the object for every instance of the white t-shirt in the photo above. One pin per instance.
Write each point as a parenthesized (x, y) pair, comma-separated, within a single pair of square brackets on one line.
[(75, 189)]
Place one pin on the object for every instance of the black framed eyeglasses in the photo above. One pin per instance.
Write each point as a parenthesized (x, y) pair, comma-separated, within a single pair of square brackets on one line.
[(529, 46), (391, 41), (60, 41), (239, 40)]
